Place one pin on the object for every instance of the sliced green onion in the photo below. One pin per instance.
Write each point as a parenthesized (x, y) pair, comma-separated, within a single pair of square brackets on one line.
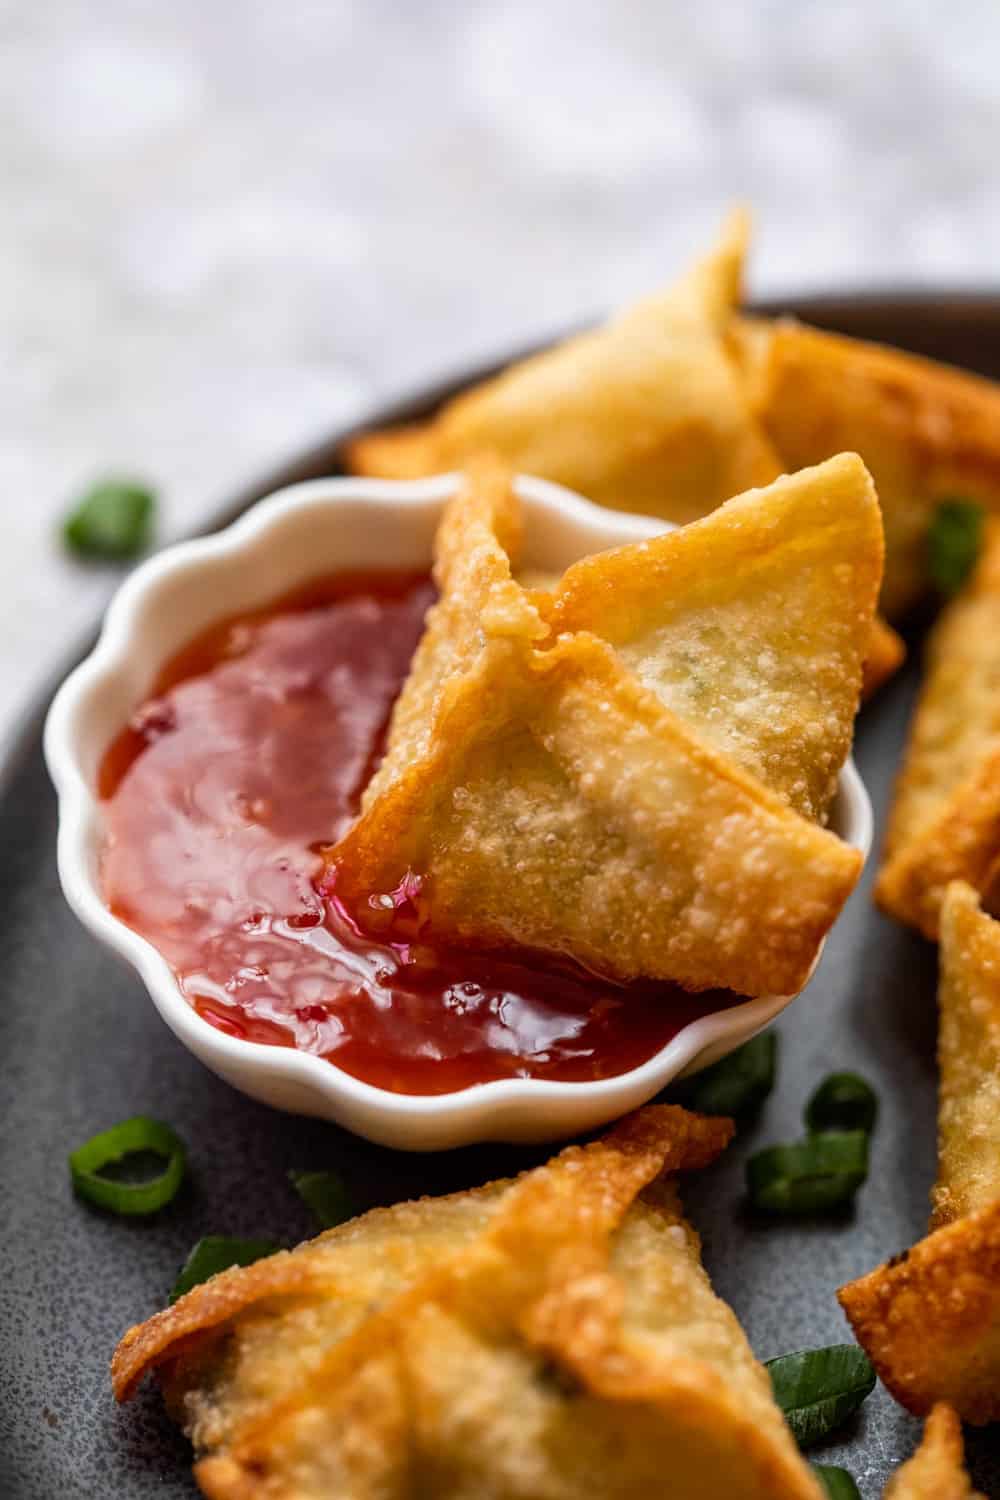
[(737, 1084), (837, 1483), (113, 520), (215, 1253), (842, 1102), (818, 1389), (326, 1195), (811, 1176), (136, 1137), (954, 543)]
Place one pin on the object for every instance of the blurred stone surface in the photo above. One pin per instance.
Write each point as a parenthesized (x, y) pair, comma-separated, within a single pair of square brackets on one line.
[(227, 227)]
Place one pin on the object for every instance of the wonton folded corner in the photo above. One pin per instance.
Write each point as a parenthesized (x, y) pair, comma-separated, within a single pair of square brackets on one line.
[(647, 413), (678, 403), (552, 1336), (633, 770), (930, 1318), (937, 1469), (944, 823)]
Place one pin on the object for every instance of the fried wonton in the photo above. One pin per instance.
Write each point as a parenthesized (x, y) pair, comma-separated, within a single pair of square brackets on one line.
[(548, 1338), (968, 1059), (945, 818), (678, 403), (647, 413), (751, 625), (930, 1318), (885, 654), (579, 794), (926, 431), (937, 1469)]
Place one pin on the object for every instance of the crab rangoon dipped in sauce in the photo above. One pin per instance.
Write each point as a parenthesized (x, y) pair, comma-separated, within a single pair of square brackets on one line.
[(633, 770)]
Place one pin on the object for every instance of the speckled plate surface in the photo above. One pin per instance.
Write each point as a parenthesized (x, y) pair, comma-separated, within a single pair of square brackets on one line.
[(82, 1048)]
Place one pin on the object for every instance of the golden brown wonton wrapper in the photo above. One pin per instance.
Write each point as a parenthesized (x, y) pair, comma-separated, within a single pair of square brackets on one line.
[(886, 648), (930, 1318), (969, 1059), (578, 795), (937, 1469), (926, 431), (945, 818), (647, 413), (549, 1338), (751, 626), (678, 403)]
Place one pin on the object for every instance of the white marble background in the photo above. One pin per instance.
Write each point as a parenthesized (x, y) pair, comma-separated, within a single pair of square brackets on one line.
[(227, 225)]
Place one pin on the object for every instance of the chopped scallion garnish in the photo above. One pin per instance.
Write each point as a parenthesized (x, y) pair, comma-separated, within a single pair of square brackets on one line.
[(842, 1102), (818, 1389), (954, 543), (113, 520), (137, 1137), (326, 1195), (215, 1253), (737, 1084), (837, 1483), (811, 1176)]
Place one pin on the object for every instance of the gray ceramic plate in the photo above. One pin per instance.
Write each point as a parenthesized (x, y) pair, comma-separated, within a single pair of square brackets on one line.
[(82, 1047)]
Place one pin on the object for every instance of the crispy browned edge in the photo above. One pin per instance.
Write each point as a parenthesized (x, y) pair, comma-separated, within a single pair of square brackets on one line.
[(937, 1469), (963, 843), (938, 412), (284, 1274), (920, 1314), (683, 1141)]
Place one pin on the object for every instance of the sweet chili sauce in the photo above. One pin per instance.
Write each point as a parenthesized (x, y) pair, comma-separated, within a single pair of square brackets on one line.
[(249, 757)]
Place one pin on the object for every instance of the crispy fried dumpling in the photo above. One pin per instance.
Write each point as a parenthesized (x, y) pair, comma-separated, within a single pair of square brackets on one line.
[(550, 1338), (930, 1318), (937, 1469), (644, 413), (561, 794), (968, 1059), (679, 402), (751, 625), (649, 413), (885, 653), (945, 818), (925, 430), (481, 613)]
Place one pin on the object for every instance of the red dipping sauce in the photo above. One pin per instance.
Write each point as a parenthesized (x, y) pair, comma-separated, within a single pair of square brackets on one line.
[(250, 756)]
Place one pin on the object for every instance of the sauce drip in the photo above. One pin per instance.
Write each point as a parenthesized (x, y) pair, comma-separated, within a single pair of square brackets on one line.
[(250, 756)]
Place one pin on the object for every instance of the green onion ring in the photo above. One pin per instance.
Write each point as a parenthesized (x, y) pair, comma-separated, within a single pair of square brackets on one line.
[(126, 1139)]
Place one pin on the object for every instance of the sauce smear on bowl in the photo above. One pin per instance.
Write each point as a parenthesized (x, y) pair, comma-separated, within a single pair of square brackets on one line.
[(249, 757)]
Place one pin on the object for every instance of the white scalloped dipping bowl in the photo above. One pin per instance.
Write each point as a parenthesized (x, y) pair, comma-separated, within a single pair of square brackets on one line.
[(286, 540)]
